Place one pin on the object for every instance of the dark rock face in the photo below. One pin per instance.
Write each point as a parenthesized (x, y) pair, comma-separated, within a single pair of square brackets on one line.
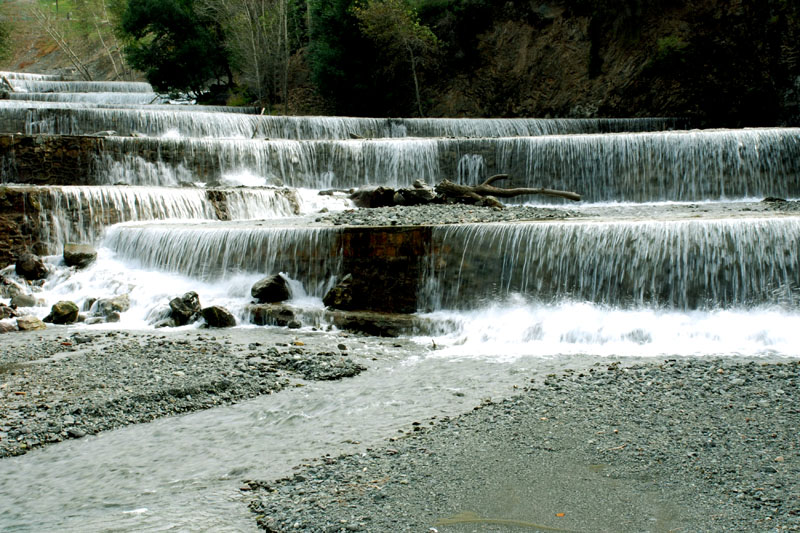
[(218, 317), (63, 312), (184, 309), (30, 267), (271, 289), (79, 255)]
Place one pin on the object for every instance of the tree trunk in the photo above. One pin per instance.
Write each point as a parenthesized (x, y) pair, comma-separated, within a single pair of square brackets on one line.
[(416, 80), (486, 189)]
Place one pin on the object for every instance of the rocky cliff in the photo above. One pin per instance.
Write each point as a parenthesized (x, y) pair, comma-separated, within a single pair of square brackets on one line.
[(721, 63)]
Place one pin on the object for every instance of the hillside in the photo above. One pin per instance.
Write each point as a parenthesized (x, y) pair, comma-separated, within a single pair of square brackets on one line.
[(719, 63)]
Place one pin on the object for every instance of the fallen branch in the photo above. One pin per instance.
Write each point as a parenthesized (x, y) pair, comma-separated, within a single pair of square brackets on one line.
[(486, 189)]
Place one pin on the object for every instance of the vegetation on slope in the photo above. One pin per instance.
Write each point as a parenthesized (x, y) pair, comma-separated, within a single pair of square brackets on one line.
[(720, 63)]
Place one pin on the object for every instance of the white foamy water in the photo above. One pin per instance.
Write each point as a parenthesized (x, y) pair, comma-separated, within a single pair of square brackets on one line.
[(505, 332)]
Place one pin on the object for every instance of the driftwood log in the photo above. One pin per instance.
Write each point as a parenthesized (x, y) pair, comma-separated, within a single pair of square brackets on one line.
[(488, 193)]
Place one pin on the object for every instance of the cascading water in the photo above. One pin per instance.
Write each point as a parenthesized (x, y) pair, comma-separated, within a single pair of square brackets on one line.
[(41, 86), (685, 264), (119, 98), (675, 166), (527, 295), (76, 121), (81, 214)]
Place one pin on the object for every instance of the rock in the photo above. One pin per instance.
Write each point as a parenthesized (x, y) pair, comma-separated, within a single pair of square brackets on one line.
[(23, 300), (185, 308), (92, 320), (376, 324), (30, 267), (7, 312), (373, 197), (341, 296), (166, 323), (271, 315), (7, 327), (8, 288), (271, 289), (63, 312), (79, 255), (112, 307), (30, 323), (218, 317)]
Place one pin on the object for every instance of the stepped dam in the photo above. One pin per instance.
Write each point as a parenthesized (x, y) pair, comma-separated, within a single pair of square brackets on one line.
[(684, 245)]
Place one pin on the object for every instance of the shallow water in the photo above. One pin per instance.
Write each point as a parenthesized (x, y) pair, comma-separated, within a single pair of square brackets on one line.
[(184, 474)]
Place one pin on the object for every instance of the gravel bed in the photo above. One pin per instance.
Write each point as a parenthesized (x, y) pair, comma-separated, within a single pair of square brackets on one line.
[(681, 445), (441, 214), (58, 385)]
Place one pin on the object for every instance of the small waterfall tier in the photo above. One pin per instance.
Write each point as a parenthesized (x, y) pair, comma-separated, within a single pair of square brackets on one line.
[(43, 86), (118, 98), (675, 264), (58, 215), (78, 121), (667, 166), (212, 251), (10, 107), (30, 76)]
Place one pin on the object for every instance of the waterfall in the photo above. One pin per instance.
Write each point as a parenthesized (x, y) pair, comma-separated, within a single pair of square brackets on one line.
[(81, 214), (42, 86), (214, 252), (683, 264), (119, 98), (678, 166), (79, 121), (30, 76)]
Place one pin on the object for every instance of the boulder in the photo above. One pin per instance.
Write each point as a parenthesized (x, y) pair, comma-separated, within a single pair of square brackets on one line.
[(218, 317), (271, 289), (7, 312), (30, 267), (23, 300), (271, 315), (341, 296), (8, 288), (30, 323), (377, 324), (112, 307), (63, 312), (79, 255), (185, 308), (7, 327)]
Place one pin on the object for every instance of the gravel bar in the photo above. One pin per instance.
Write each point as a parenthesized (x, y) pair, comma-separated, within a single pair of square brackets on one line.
[(679, 445), (62, 384)]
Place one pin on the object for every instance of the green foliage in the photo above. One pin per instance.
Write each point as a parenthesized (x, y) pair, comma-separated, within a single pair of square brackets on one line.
[(395, 27), (176, 46), (671, 52)]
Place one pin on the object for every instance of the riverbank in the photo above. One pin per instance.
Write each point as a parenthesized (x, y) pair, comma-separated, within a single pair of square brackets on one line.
[(677, 445), (65, 383)]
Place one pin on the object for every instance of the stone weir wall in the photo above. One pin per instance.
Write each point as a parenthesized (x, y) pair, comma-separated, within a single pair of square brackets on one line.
[(49, 159)]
